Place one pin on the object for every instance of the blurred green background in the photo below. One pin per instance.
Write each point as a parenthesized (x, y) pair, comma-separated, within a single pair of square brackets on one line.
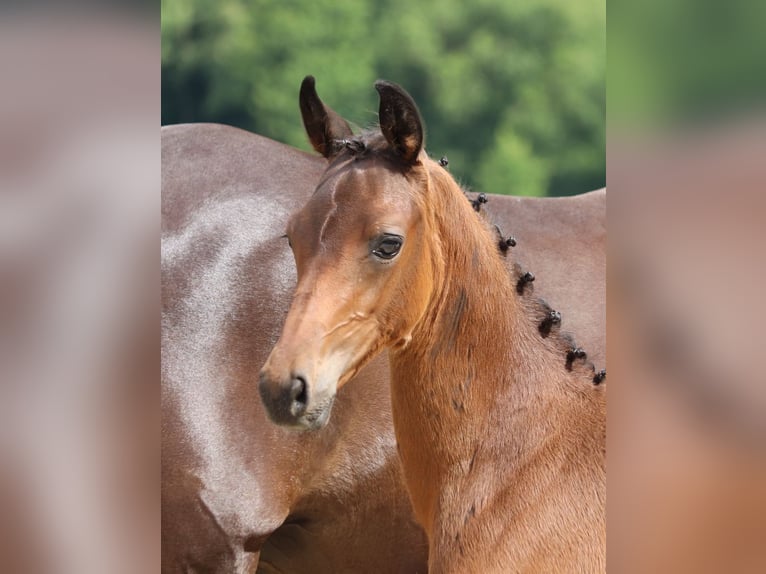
[(512, 92), (683, 63)]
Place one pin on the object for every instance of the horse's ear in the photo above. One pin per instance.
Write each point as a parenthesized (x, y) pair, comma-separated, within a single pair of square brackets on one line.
[(400, 121), (322, 124)]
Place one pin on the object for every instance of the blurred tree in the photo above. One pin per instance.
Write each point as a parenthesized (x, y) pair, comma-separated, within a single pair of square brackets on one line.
[(704, 61), (513, 93)]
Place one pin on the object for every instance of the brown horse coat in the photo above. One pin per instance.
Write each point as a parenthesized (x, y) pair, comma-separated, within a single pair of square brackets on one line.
[(500, 421), (234, 484)]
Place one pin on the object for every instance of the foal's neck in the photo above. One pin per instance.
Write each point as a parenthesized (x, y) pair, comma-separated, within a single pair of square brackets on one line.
[(475, 361)]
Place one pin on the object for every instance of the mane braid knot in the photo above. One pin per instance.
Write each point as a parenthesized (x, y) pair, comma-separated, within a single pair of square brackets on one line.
[(355, 146), (524, 280), (551, 319), (504, 243), (573, 354), (476, 203), (599, 377)]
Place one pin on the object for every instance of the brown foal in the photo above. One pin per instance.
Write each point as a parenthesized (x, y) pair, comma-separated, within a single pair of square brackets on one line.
[(500, 421)]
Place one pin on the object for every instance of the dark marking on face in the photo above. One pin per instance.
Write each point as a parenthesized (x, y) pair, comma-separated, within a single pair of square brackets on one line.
[(599, 377)]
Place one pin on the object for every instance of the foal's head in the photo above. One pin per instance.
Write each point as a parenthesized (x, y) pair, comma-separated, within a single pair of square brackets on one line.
[(362, 250)]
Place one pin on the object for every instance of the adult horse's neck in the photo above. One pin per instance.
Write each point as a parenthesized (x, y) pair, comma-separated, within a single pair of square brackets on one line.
[(477, 393)]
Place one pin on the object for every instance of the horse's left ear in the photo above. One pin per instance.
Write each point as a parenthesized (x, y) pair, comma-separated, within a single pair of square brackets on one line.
[(400, 121)]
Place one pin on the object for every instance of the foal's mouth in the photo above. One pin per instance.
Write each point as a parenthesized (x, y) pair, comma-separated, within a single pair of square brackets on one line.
[(295, 403), (316, 417)]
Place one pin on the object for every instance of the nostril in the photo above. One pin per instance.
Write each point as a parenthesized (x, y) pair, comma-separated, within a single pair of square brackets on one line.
[(298, 394)]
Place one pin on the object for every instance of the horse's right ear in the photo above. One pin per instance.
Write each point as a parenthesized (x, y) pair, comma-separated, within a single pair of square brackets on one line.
[(323, 126)]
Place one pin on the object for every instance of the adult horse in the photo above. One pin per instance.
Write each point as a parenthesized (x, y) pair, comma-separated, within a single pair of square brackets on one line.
[(501, 427), (235, 486)]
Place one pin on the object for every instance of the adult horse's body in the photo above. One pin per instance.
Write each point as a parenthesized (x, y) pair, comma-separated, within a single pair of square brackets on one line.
[(500, 423), (233, 484)]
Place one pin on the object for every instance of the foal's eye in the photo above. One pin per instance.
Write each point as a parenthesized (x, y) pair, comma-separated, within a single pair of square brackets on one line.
[(387, 246)]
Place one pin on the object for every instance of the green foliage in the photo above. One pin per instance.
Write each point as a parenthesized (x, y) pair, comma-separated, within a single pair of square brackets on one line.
[(703, 61), (512, 92)]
